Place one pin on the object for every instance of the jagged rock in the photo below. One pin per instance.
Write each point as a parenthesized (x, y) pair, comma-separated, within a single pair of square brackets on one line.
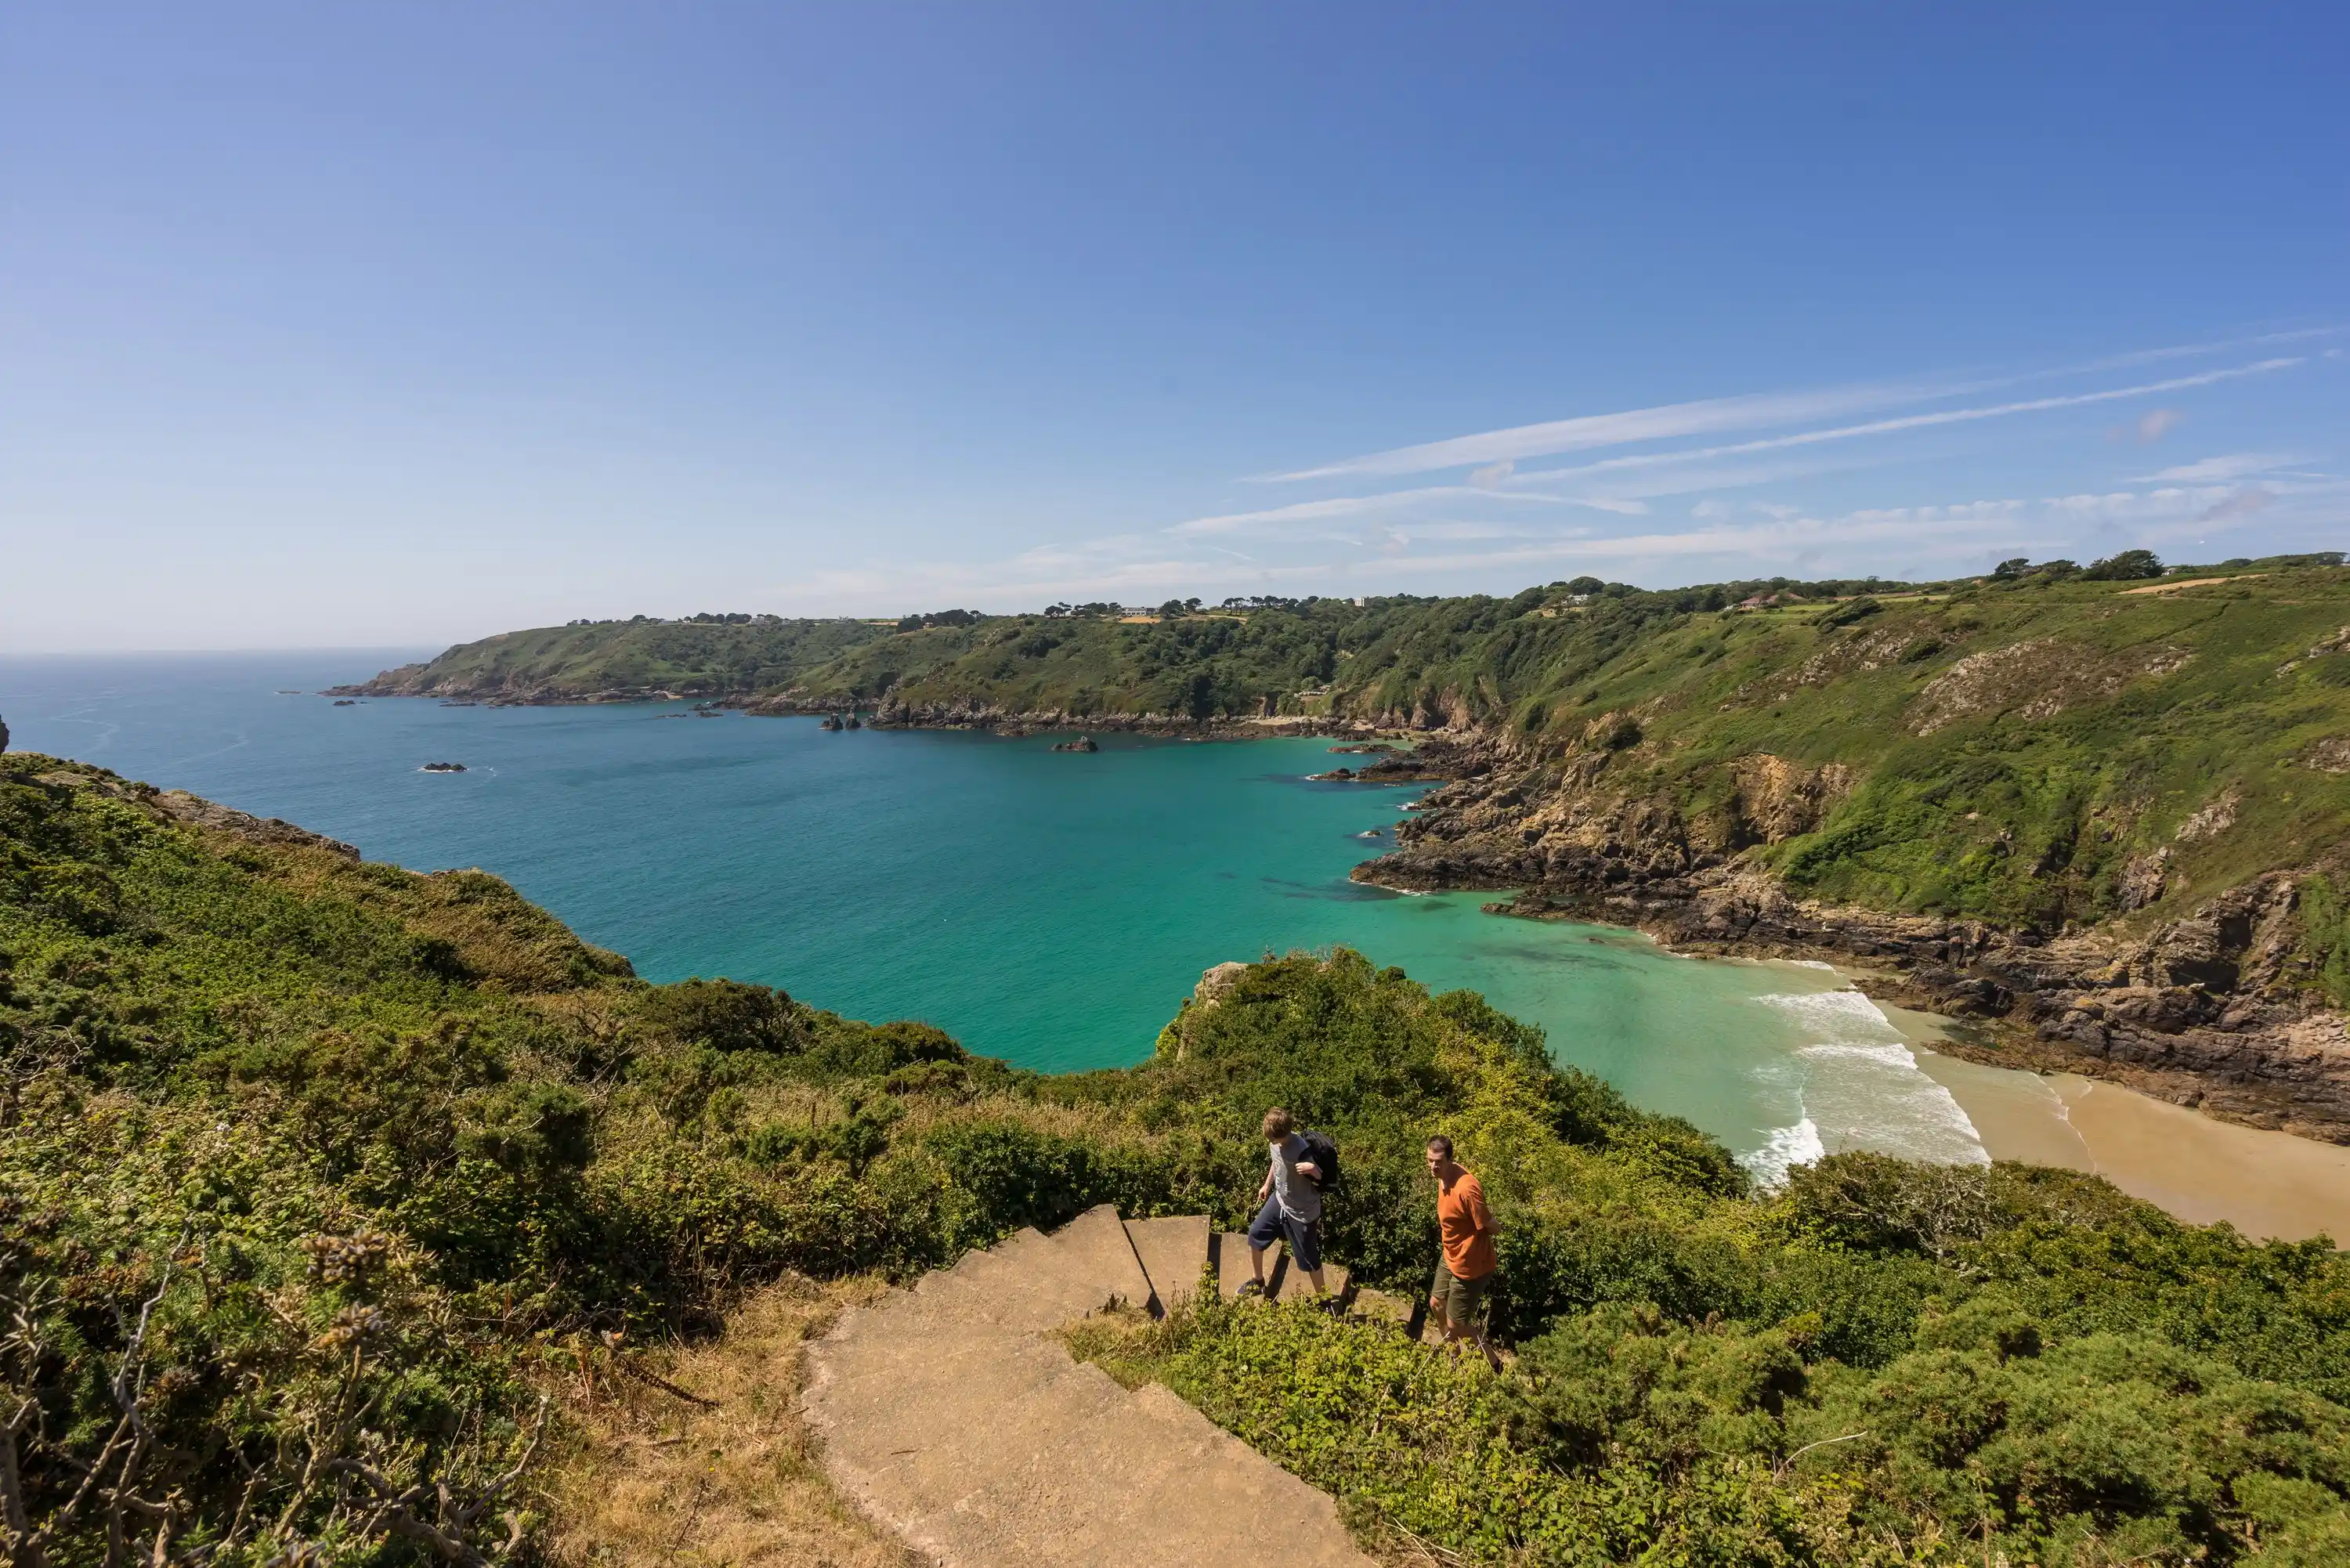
[(1216, 982), (1082, 744), (194, 811), (2212, 1008)]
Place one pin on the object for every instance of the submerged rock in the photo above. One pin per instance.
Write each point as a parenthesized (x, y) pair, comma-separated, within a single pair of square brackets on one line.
[(1082, 744), (443, 768)]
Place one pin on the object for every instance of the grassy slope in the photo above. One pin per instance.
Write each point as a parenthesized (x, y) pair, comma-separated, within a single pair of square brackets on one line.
[(1966, 797), (1966, 800), (695, 659), (393, 1157)]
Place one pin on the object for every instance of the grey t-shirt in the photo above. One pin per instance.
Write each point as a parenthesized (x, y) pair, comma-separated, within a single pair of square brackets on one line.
[(1301, 1200)]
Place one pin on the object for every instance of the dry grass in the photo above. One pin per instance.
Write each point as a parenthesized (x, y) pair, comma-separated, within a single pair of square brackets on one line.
[(653, 1481)]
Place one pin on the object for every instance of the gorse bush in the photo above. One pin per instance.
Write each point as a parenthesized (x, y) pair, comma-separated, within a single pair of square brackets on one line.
[(316, 1178), (310, 1169)]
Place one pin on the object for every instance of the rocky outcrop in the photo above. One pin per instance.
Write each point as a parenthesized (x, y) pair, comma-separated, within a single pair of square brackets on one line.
[(2213, 1008), (893, 712), (194, 811)]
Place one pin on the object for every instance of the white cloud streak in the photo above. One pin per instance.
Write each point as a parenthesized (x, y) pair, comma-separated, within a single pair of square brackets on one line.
[(1710, 416), (1361, 505), (2211, 470), (1499, 450), (1909, 422)]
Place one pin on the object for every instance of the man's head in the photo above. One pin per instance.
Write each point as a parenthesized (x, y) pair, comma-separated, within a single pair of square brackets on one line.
[(1277, 1125), (1440, 1154)]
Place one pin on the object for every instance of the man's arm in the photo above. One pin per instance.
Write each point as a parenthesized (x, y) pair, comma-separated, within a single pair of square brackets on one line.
[(1480, 1216)]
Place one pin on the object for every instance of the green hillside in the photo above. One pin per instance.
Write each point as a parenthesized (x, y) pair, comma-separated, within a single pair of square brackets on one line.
[(713, 656), (2036, 749), (2034, 752), (328, 1188)]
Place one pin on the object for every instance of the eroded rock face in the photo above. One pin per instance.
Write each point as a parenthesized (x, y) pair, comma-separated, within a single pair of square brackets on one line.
[(1216, 982), (197, 811), (2036, 679), (2212, 1009)]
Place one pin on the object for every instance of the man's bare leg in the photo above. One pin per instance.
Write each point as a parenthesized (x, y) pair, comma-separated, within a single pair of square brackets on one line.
[(1257, 1262), (1319, 1288)]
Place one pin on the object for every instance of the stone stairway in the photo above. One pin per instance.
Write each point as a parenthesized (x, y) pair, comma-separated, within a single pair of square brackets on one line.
[(952, 1413)]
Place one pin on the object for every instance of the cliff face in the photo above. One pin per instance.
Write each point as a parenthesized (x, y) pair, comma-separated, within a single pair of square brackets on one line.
[(2219, 1004)]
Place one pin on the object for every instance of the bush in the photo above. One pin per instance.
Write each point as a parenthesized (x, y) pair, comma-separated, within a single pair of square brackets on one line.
[(2129, 566)]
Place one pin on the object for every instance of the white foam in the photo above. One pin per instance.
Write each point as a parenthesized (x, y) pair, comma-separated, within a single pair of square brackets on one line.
[(1890, 1055), (1862, 1088), (1786, 1149), (1839, 1014)]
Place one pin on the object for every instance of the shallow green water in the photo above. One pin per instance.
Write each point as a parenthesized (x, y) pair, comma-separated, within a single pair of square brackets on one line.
[(1048, 908)]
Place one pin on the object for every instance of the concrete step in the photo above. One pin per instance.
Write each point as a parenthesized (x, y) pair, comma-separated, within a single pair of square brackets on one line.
[(1383, 1306), (1094, 1252), (1173, 1250), (953, 1414), (1282, 1279)]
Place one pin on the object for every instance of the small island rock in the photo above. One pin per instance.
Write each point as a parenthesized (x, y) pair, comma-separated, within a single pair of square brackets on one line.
[(1082, 744)]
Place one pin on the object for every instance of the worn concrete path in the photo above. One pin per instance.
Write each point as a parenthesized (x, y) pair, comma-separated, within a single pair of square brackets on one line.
[(953, 1415)]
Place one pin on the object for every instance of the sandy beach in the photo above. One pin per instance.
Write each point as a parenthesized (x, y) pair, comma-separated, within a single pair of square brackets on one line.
[(2265, 1184)]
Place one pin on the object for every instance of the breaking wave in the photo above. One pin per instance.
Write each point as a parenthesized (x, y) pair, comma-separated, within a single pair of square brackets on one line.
[(1858, 1086)]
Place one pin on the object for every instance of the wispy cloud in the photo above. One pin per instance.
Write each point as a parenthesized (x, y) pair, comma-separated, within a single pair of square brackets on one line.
[(1711, 416), (2242, 503), (2150, 427), (1304, 511), (1495, 452), (2235, 465), (1912, 423)]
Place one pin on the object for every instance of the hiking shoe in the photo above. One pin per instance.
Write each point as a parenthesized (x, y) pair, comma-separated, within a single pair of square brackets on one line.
[(1250, 1288)]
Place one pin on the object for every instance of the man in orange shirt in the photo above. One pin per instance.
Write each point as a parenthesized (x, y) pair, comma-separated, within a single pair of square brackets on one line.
[(1469, 1261)]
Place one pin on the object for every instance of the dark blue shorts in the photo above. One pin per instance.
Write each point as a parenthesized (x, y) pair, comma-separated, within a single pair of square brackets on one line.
[(1305, 1235)]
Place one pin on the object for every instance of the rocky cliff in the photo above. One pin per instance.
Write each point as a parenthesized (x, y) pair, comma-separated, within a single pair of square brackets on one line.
[(2219, 1005)]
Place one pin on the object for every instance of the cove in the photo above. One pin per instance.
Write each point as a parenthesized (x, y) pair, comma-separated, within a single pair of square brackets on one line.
[(1052, 909)]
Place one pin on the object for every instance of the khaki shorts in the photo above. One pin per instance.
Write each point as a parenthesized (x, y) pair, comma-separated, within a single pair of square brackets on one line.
[(1453, 1298)]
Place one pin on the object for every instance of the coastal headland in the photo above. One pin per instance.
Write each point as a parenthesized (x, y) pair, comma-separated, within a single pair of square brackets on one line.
[(2108, 819)]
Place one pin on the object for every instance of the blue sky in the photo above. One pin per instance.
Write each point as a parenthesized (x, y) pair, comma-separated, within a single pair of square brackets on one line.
[(402, 324)]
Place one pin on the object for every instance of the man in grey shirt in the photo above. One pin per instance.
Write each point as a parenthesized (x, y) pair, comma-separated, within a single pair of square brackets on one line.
[(1292, 1199)]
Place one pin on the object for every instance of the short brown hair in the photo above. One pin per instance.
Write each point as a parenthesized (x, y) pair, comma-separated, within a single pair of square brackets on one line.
[(1276, 1124), (1442, 1145)]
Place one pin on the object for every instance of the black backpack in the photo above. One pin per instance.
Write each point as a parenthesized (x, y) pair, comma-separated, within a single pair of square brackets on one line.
[(1324, 1156)]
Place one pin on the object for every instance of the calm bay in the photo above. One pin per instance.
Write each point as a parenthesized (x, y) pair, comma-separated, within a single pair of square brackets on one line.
[(1052, 909)]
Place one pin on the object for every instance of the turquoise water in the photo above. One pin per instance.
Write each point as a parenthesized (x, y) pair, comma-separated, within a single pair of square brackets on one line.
[(1052, 909)]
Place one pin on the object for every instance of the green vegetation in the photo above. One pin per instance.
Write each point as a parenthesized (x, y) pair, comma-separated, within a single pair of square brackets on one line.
[(2015, 748), (707, 656), (321, 1181)]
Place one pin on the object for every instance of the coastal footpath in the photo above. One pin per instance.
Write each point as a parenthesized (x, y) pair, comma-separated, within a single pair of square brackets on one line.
[(357, 1213)]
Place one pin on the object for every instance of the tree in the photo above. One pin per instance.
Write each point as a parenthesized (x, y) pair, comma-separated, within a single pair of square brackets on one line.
[(2013, 567), (2126, 567)]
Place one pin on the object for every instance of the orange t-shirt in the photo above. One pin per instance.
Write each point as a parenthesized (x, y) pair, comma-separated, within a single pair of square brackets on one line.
[(1467, 1226)]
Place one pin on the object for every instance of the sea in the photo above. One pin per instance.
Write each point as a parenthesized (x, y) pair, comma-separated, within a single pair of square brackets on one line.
[(1052, 909)]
